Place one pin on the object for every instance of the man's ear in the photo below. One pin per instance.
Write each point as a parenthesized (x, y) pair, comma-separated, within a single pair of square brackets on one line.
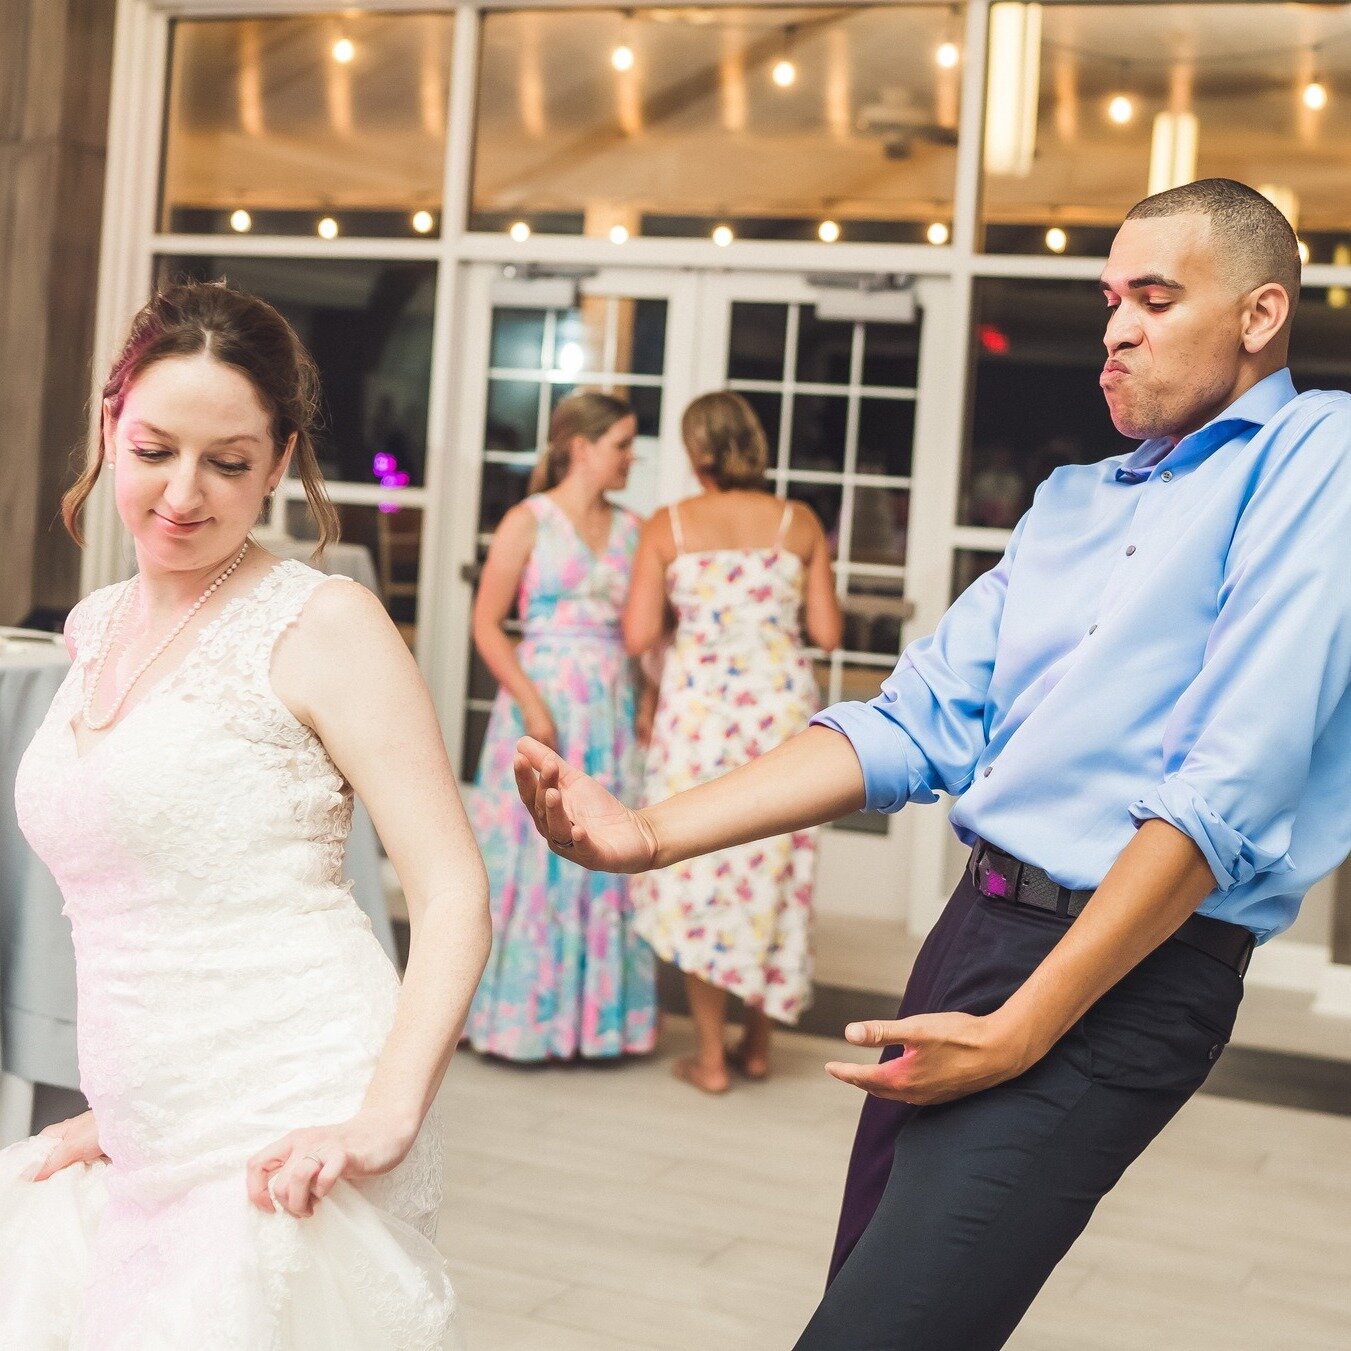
[(1264, 316)]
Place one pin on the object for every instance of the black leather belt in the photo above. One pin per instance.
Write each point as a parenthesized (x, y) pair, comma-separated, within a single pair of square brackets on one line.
[(1002, 877)]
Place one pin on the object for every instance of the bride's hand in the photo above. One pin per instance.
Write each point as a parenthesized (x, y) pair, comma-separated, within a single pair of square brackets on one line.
[(78, 1143), (580, 819), (301, 1168)]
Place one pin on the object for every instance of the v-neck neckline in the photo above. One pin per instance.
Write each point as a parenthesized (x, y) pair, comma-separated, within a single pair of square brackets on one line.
[(168, 678), (593, 554)]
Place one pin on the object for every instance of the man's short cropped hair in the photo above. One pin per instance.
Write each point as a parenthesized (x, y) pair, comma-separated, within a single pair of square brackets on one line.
[(1255, 238)]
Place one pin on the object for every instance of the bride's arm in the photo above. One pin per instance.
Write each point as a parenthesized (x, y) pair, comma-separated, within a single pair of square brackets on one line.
[(345, 671)]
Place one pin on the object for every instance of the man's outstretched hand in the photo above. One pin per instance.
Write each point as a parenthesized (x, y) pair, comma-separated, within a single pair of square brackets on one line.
[(947, 1056), (580, 819)]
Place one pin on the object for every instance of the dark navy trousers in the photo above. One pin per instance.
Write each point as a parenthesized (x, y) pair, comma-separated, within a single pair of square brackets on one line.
[(955, 1215)]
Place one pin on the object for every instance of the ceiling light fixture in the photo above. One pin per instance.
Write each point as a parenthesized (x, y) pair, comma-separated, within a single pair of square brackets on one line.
[(1315, 96), (619, 234), (519, 231), (1056, 239), (327, 228), (722, 236), (1012, 87), (622, 57), (1120, 109), (938, 233), (1172, 151), (784, 73), (241, 222), (948, 55), (828, 231), (423, 222), (344, 50)]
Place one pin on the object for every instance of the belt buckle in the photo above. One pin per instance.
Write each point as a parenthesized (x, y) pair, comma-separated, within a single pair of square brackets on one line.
[(992, 883)]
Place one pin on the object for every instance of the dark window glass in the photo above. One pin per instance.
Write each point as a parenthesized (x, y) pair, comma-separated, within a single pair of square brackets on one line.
[(518, 339), (513, 415), (886, 435), (823, 348), (819, 423), (756, 344)]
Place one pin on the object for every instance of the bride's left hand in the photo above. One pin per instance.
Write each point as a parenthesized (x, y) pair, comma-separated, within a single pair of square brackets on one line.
[(301, 1168)]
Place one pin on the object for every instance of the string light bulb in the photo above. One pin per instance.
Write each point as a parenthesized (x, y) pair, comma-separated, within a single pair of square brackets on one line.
[(1315, 96), (622, 58), (722, 236), (828, 231), (784, 73), (1120, 109), (423, 222), (948, 55), (1056, 239), (619, 234), (519, 231), (327, 228), (343, 51), (241, 222), (937, 233)]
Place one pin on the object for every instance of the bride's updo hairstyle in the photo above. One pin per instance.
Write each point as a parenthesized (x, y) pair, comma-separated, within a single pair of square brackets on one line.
[(725, 440), (189, 318), (588, 414)]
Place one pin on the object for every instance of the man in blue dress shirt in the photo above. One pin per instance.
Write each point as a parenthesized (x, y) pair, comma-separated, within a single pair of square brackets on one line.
[(1143, 711)]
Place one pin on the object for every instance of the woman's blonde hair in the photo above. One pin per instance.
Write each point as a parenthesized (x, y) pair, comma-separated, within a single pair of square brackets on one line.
[(239, 330), (725, 440), (588, 414)]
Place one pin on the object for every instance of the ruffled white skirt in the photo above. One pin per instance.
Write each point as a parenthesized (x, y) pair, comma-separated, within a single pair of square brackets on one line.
[(86, 1262)]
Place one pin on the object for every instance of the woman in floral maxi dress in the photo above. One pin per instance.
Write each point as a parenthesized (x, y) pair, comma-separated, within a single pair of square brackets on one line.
[(739, 572), (568, 975)]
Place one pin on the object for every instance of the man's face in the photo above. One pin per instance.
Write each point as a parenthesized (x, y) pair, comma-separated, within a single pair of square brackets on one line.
[(1174, 329)]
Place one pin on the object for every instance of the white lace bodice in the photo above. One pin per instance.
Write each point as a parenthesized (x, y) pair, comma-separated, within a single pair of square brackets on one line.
[(230, 989)]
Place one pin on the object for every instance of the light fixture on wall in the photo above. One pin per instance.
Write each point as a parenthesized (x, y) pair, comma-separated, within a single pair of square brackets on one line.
[(1315, 95), (619, 234), (1172, 151), (519, 231), (344, 50), (828, 231), (1057, 240), (327, 228), (722, 235), (1012, 88), (241, 222), (948, 55), (423, 222), (938, 233), (784, 72), (622, 57), (1120, 109)]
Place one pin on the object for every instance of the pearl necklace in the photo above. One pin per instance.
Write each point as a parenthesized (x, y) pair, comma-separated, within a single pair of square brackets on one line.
[(91, 687)]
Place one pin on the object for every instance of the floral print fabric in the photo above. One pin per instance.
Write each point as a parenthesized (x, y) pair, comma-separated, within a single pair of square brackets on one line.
[(568, 974), (736, 683)]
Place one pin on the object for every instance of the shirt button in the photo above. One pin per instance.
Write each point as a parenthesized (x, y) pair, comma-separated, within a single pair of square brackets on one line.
[(1167, 476), (986, 772), (1130, 549)]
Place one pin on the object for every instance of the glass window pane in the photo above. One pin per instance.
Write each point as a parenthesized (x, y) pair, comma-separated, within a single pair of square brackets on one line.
[(825, 500), (503, 486), (518, 339), (969, 564), (819, 424), (368, 327), (891, 355), (881, 516), (886, 436), (644, 352), (646, 403), (755, 349), (874, 610), (1320, 343), (579, 338), (513, 415), (768, 407), (1137, 97), (1037, 404), (269, 129), (865, 135), (823, 348)]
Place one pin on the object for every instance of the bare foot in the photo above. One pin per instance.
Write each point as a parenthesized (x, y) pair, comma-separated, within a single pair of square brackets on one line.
[(753, 1064), (701, 1076)]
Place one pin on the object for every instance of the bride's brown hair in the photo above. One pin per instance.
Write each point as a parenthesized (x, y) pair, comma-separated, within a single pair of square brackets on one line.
[(188, 318)]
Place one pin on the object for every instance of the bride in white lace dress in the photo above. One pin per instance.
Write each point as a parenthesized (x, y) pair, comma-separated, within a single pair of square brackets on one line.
[(261, 1169)]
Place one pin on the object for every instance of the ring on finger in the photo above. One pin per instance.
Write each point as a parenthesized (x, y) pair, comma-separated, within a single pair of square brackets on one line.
[(312, 1159), (562, 844)]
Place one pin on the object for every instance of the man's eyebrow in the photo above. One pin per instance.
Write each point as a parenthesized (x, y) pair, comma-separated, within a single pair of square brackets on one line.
[(1150, 279)]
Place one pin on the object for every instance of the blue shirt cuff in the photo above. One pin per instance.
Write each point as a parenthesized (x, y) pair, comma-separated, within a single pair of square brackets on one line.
[(1233, 857), (885, 753)]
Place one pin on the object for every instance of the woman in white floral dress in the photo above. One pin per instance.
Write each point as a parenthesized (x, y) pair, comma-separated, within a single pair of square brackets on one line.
[(738, 572)]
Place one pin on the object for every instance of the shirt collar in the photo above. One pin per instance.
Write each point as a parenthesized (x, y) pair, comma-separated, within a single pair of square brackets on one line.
[(1258, 405)]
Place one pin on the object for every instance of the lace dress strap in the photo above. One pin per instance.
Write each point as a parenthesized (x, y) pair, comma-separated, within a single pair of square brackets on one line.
[(89, 620), (274, 607), (676, 532)]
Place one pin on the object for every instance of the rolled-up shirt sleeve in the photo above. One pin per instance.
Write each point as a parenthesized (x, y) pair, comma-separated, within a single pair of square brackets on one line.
[(927, 728), (1238, 746)]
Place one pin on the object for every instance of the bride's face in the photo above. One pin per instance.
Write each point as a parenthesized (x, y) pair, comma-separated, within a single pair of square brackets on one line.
[(193, 458)]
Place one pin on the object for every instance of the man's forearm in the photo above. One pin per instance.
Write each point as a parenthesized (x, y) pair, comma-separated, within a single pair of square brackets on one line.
[(1157, 881), (812, 778)]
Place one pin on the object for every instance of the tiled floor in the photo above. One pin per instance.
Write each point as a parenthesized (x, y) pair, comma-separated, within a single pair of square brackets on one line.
[(613, 1209)]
